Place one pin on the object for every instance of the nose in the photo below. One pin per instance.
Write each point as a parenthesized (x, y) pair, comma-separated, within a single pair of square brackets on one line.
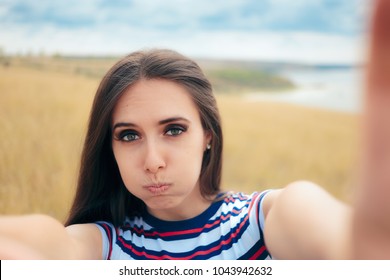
[(154, 160)]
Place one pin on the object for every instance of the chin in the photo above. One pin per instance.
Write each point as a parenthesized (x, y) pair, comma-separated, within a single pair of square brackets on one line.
[(161, 202)]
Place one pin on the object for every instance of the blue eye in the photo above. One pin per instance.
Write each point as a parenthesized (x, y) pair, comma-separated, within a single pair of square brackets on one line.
[(128, 136), (175, 130)]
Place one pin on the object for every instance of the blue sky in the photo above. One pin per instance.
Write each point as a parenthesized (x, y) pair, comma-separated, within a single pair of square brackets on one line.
[(311, 31)]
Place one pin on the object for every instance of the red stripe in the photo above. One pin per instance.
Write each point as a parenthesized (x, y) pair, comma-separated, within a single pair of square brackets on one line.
[(108, 231), (233, 235), (173, 233), (182, 232), (262, 248), (258, 253), (258, 213), (239, 196)]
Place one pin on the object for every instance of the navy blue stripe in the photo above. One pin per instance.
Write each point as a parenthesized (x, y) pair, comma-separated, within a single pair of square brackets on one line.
[(107, 229), (248, 255), (189, 253), (140, 231)]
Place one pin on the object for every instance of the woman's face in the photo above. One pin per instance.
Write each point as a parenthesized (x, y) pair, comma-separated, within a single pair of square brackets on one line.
[(158, 143)]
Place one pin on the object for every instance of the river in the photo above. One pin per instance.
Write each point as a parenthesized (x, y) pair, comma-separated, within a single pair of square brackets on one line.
[(332, 89)]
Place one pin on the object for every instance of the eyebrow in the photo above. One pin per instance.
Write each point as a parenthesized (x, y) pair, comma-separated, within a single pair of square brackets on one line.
[(162, 122), (173, 119)]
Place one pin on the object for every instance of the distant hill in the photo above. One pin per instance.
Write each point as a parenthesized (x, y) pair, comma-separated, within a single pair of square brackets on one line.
[(226, 76), (241, 80)]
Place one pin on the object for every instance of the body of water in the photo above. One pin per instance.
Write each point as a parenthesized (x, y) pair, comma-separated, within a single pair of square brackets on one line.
[(336, 89)]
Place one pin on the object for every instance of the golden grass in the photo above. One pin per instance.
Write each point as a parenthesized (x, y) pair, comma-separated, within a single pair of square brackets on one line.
[(43, 116), (272, 144), (42, 120)]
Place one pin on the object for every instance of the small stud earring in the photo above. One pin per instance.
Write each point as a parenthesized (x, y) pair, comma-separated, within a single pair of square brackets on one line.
[(208, 147)]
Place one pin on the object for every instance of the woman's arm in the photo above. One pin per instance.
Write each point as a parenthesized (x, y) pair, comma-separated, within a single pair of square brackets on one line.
[(372, 217), (42, 237), (302, 221)]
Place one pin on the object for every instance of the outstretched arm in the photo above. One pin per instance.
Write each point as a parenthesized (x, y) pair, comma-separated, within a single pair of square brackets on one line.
[(42, 237), (372, 217), (303, 221)]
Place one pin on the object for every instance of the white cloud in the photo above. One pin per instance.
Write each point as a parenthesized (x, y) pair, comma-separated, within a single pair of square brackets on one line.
[(119, 29), (282, 46)]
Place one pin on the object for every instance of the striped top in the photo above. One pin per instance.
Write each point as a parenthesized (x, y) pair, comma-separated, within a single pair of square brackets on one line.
[(229, 229)]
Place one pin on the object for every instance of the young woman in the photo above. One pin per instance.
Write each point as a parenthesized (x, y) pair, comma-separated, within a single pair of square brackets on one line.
[(151, 167), (149, 183)]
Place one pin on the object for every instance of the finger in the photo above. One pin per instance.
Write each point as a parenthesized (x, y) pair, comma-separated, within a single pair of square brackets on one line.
[(376, 149), (371, 224), (379, 54)]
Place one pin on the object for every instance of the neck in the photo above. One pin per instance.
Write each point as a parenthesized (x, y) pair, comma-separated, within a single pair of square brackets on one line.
[(186, 210)]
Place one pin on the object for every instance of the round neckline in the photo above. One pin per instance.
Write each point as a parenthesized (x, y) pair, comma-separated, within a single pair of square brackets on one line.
[(196, 221)]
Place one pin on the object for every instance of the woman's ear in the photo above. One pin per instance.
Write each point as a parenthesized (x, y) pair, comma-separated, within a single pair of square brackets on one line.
[(208, 139)]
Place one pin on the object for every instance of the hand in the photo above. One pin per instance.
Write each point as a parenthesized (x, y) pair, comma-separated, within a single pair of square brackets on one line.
[(12, 250), (371, 231)]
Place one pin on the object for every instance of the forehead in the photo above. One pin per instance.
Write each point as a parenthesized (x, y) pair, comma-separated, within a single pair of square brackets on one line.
[(154, 99)]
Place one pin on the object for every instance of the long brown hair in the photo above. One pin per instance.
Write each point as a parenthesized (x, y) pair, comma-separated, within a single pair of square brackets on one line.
[(101, 194)]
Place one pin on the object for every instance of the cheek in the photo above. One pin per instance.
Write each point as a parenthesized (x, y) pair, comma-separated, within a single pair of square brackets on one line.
[(188, 163), (125, 164), (191, 152)]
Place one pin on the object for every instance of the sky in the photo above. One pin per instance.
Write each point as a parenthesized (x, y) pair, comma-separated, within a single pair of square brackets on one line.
[(305, 31)]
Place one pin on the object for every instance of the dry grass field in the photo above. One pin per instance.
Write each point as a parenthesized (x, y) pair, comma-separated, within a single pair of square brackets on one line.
[(43, 115)]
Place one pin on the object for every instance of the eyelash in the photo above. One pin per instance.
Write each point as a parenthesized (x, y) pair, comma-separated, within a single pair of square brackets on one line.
[(125, 133), (134, 134), (177, 127)]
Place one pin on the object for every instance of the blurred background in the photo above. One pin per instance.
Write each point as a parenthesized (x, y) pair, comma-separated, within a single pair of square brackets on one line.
[(287, 76)]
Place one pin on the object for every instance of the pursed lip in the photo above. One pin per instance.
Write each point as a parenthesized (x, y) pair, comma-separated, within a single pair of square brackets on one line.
[(157, 188)]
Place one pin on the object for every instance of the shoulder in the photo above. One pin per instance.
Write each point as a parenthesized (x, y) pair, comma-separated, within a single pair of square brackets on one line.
[(302, 220), (251, 204), (286, 197), (88, 239)]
